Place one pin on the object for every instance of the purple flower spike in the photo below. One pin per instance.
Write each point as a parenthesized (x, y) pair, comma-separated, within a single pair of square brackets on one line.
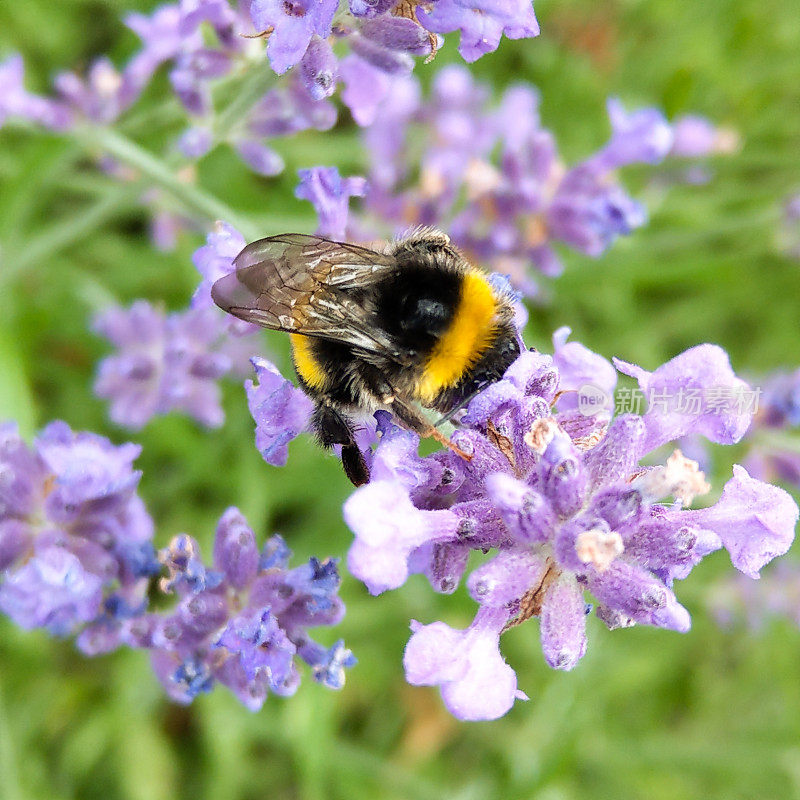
[(74, 536), (16, 102), (642, 136), (566, 507), (754, 520), (293, 23), (481, 23), (165, 363), (246, 625), (280, 410), (387, 529), (330, 195), (588, 213), (475, 681), (695, 392)]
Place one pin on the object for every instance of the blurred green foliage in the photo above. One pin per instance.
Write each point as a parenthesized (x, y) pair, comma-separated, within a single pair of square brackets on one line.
[(647, 714)]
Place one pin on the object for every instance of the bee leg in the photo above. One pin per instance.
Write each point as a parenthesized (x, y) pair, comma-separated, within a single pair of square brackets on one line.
[(407, 414), (332, 427), (413, 420)]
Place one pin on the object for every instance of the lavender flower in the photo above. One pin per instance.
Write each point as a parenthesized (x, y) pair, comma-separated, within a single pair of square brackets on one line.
[(244, 622), (561, 499), (165, 363), (103, 95), (283, 111), (280, 410), (163, 35), (642, 136), (492, 178), (330, 195), (695, 392), (481, 24), (695, 137), (75, 538), (15, 101), (292, 24), (318, 69)]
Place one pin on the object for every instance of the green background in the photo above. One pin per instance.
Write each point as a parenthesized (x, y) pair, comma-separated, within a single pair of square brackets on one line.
[(648, 713)]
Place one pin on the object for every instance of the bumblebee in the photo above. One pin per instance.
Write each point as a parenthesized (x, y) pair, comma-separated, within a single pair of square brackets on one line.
[(415, 324)]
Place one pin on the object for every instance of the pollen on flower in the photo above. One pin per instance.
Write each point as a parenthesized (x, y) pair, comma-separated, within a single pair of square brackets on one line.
[(598, 548), (541, 434), (584, 443), (681, 477)]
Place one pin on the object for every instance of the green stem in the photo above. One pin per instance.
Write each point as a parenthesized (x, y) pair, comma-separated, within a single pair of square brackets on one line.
[(731, 224), (191, 196), (778, 440), (12, 788), (69, 231), (251, 89)]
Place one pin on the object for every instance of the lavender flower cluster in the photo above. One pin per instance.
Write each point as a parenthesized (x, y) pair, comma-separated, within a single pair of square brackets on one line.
[(380, 39), (492, 177), (564, 503), (167, 362), (77, 556), (558, 496), (515, 209)]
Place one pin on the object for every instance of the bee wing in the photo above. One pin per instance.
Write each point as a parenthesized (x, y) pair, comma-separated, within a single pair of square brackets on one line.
[(300, 284)]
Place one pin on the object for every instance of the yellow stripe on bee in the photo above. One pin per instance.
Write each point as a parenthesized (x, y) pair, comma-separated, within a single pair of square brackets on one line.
[(305, 363), (470, 333)]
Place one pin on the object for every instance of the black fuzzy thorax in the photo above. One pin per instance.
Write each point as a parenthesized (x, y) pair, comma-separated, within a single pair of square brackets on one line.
[(416, 306)]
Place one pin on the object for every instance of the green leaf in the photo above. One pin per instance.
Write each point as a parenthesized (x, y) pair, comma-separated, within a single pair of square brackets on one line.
[(16, 398)]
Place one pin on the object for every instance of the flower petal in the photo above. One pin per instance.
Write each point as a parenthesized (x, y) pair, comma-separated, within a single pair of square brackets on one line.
[(754, 520)]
